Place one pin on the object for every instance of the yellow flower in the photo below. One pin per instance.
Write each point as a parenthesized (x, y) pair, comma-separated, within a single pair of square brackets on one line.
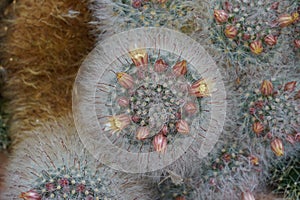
[(139, 57), (117, 123)]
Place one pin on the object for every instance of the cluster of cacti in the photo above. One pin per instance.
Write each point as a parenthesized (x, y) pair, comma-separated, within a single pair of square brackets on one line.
[(285, 177), (150, 98), (52, 164), (254, 32), (271, 113)]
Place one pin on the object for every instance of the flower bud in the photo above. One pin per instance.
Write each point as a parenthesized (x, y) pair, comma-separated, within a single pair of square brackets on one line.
[(125, 80), (30, 195), (246, 36), (290, 86), (297, 43), (270, 40), (164, 130), (200, 88), (190, 108), (285, 20), (123, 101), (291, 139), (231, 31), (139, 57), (277, 147), (275, 5), (266, 88), (117, 123), (256, 47), (221, 16), (252, 110), (160, 143), (257, 128), (247, 196), (160, 65), (180, 68), (142, 133), (136, 3), (182, 127), (254, 160)]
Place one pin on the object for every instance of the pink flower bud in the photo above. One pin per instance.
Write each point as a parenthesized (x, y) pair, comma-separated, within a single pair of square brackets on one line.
[(180, 68), (257, 128), (277, 147), (256, 47), (246, 36), (190, 108), (297, 43), (270, 40), (80, 187), (266, 88), (291, 139), (30, 195), (136, 3), (142, 133), (123, 101), (63, 182), (275, 5), (164, 130), (252, 110), (160, 143), (125, 80), (290, 86), (231, 31), (182, 127), (285, 20), (221, 16), (160, 65)]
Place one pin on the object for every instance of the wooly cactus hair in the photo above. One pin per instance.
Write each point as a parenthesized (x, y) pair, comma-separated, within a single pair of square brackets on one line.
[(114, 16), (42, 48), (244, 35), (53, 164)]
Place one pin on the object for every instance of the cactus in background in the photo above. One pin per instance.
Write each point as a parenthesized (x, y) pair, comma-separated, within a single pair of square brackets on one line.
[(270, 112), (285, 177), (119, 15), (250, 32), (182, 190), (230, 170), (56, 166), (4, 139)]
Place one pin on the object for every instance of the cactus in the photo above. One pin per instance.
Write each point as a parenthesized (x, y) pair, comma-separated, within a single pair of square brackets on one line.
[(271, 114), (52, 164), (119, 15), (4, 138), (285, 177), (229, 170), (249, 33)]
